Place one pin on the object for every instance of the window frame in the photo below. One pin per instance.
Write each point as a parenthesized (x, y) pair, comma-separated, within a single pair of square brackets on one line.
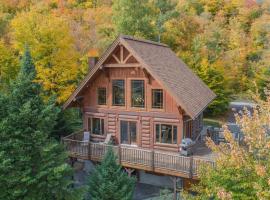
[(173, 126), (152, 99), (144, 94), (90, 125), (106, 101), (112, 91), (129, 138)]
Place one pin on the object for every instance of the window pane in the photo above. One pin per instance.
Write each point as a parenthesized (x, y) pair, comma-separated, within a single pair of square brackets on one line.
[(132, 130), (157, 98), (101, 96), (118, 92), (157, 132), (137, 93), (175, 134), (97, 126), (166, 133), (124, 132)]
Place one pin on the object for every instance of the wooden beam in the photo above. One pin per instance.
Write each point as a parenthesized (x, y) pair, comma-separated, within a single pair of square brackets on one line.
[(129, 171), (121, 54), (126, 59), (123, 65), (147, 75), (115, 57)]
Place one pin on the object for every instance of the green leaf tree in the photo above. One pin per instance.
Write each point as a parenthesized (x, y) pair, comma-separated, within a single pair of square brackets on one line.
[(108, 182), (165, 11), (32, 166), (134, 17)]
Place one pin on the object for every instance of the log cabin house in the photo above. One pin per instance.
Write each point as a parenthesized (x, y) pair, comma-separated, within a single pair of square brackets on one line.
[(148, 100)]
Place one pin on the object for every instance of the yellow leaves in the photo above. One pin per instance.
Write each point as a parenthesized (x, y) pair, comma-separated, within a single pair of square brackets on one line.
[(260, 170), (223, 194), (52, 48)]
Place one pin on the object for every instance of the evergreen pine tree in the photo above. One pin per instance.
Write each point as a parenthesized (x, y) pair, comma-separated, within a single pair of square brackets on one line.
[(32, 166), (108, 182)]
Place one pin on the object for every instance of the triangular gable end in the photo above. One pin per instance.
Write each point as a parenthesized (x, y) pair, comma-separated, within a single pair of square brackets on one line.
[(120, 57), (117, 55)]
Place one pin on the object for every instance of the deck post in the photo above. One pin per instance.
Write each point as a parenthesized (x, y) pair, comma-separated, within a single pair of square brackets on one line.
[(174, 180), (153, 160), (129, 171), (119, 154), (89, 151), (191, 167)]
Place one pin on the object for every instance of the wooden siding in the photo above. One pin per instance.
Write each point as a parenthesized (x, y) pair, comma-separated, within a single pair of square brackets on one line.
[(146, 117)]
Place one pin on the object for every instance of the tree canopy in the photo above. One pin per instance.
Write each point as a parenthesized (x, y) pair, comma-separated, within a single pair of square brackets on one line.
[(32, 166), (229, 39)]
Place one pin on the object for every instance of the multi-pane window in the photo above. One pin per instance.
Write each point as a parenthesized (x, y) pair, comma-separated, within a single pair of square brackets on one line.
[(166, 133), (118, 87), (137, 93), (157, 98), (101, 93), (96, 126)]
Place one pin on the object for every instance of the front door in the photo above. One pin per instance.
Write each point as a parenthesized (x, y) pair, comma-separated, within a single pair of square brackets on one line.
[(128, 131)]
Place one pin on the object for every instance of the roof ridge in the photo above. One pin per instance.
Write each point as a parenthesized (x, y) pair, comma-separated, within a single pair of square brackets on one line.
[(143, 40)]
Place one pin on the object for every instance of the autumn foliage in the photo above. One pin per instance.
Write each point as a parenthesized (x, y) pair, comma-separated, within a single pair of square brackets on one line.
[(225, 42), (242, 168)]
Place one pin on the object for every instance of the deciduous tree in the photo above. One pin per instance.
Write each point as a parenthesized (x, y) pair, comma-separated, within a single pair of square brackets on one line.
[(54, 53), (242, 168)]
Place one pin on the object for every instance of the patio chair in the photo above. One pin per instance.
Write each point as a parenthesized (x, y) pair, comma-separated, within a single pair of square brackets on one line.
[(86, 137), (107, 139)]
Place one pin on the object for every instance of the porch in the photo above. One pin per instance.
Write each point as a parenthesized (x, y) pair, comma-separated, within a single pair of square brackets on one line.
[(155, 161)]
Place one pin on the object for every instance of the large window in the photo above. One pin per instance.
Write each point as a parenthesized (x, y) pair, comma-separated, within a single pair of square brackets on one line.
[(101, 93), (157, 98), (96, 126), (166, 133), (137, 93), (118, 87)]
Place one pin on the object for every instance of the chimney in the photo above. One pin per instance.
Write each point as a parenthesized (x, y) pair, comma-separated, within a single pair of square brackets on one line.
[(92, 62), (92, 58)]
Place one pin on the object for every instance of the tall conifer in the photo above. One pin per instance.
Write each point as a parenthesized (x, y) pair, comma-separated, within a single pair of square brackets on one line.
[(108, 182), (32, 166)]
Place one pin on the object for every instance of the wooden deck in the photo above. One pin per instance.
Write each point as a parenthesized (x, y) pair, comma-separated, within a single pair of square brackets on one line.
[(161, 162)]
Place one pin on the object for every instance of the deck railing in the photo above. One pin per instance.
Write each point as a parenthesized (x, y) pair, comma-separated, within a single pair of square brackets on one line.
[(139, 158)]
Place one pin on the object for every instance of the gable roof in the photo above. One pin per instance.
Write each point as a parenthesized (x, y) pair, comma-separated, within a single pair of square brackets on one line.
[(160, 61)]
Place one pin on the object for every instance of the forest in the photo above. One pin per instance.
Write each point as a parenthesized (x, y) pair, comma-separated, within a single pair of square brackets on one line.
[(44, 51), (225, 42)]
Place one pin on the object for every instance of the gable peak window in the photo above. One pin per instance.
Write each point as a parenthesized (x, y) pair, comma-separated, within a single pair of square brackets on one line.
[(157, 98), (137, 93), (101, 93), (118, 90)]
